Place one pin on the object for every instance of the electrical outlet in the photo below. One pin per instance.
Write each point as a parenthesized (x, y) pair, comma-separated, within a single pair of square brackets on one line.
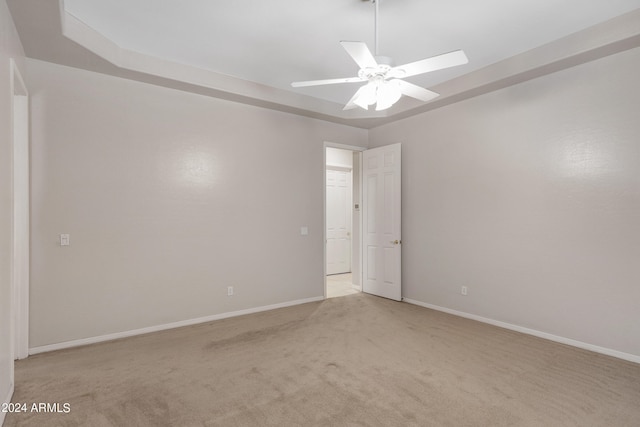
[(463, 290), (229, 291)]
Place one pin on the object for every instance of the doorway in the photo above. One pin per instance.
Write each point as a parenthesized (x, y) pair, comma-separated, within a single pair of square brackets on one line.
[(376, 217), (342, 220)]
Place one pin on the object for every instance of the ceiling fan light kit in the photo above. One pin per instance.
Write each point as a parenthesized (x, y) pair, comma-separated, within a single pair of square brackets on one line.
[(384, 85), (381, 92)]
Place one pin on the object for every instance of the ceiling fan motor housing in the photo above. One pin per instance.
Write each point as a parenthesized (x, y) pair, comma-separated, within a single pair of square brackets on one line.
[(384, 65)]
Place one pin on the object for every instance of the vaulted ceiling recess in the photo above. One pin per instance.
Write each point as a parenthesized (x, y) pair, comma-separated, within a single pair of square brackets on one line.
[(250, 51)]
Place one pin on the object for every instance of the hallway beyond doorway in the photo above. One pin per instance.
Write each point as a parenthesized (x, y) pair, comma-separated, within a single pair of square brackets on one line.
[(339, 285)]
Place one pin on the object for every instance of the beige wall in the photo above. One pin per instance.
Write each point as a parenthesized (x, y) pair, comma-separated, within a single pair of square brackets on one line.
[(529, 196), (10, 47), (169, 197)]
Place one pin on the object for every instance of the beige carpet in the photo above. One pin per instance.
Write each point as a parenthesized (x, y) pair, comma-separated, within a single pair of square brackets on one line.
[(351, 361)]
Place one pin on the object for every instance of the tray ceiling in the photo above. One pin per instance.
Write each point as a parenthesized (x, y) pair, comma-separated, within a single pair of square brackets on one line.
[(251, 51)]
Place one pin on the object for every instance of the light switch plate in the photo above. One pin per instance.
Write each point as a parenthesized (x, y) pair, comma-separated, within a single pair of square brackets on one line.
[(64, 240), (304, 231)]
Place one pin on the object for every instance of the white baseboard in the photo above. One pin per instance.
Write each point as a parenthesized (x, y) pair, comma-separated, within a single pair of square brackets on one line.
[(539, 334), (157, 328), (7, 399)]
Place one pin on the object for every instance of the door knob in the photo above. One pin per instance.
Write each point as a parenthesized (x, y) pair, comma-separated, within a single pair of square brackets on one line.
[(396, 242)]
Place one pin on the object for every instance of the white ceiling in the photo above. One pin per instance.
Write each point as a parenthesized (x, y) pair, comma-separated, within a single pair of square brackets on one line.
[(277, 42)]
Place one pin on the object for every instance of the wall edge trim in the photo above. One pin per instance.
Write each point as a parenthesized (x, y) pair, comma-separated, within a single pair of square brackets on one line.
[(7, 400), (163, 327), (562, 340)]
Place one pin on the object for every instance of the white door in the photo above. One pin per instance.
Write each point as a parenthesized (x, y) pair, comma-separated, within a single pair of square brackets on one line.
[(338, 221), (381, 191)]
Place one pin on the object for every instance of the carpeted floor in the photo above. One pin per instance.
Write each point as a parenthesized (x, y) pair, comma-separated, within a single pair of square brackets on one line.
[(358, 360)]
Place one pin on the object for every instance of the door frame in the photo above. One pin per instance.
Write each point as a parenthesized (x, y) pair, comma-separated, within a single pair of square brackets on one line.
[(20, 231), (354, 148)]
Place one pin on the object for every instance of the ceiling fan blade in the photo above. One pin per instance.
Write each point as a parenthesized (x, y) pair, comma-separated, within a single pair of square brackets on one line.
[(434, 63), (415, 91), (360, 53), (327, 82)]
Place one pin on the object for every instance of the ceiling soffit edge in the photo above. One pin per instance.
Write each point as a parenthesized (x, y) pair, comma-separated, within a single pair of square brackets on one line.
[(615, 35)]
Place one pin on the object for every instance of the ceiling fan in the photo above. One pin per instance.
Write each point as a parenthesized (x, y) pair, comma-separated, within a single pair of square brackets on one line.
[(384, 85)]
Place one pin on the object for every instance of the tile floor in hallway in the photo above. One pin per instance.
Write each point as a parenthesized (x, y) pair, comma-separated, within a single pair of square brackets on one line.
[(339, 285)]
